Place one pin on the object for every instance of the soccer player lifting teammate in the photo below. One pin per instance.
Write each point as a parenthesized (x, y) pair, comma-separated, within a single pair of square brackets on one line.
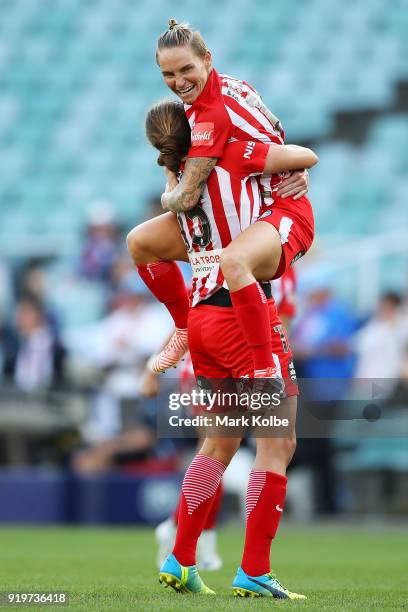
[(219, 352), (208, 557), (221, 109)]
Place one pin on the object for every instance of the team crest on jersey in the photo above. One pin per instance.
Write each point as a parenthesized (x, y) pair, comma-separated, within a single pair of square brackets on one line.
[(202, 134)]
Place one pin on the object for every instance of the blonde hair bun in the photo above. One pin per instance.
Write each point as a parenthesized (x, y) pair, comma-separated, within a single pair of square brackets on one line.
[(180, 34)]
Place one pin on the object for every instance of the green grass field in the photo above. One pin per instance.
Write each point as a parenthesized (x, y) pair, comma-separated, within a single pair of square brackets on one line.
[(113, 569)]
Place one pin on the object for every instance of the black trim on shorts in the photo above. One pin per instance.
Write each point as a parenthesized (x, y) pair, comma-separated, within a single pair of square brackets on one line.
[(223, 298)]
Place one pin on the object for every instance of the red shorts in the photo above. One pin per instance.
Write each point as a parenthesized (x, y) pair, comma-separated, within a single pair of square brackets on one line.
[(218, 349), (295, 223)]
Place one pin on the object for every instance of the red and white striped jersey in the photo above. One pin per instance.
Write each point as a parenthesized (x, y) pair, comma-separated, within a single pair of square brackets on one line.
[(227, 110), (229, 204)]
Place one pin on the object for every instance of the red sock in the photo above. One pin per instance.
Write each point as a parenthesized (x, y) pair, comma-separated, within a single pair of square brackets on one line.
[(264, 503), (214, 510), (174, 516), (251, 309), (211, 521), (166, 282), (199, 487)]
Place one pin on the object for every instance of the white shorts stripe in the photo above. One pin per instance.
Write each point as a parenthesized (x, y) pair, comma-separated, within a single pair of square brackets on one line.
[(284, 229)]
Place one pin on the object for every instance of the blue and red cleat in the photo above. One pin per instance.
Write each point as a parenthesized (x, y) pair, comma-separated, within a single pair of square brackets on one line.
[(266, 585)]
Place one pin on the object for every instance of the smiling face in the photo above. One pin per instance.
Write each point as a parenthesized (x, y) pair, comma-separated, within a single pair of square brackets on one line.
[(184, 72)]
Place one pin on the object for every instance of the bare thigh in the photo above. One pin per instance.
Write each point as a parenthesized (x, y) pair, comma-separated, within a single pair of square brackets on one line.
[(157, 239), (258, 249)]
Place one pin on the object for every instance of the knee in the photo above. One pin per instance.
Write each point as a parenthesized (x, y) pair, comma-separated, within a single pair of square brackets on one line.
[(233, 264), (276, 452), (137, 241), (222, 450)]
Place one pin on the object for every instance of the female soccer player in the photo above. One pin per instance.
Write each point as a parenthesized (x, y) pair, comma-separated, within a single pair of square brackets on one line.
[(226, 194), (218, 351), (284, 294), (221, 109)]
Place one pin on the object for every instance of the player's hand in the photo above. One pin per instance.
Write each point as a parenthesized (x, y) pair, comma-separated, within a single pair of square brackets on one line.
[(296, 185), (164, 199), (150, 384)]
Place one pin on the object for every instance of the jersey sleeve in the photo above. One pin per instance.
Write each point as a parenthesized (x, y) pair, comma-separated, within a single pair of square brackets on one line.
[(244, 158), (210, 133)]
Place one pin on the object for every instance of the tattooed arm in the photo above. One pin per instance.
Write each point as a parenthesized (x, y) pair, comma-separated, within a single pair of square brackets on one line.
[(188, 191)]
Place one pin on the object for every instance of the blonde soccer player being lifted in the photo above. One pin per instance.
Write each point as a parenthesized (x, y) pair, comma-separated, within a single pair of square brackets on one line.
[(221, 109)]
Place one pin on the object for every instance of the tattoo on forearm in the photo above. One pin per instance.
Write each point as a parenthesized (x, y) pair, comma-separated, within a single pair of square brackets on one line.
[(190, 188)]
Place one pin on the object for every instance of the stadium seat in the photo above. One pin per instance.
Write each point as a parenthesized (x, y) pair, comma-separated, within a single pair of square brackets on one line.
[(76, 80)]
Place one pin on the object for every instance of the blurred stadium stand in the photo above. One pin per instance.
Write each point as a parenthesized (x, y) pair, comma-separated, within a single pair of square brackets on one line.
[(76, 79)]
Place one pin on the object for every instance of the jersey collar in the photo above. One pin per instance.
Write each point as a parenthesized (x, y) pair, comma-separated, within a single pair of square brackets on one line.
[(211, 92)]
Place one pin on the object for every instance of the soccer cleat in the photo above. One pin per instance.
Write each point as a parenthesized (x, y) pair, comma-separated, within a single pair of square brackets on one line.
[(165, 534), (172, 353), (182, 579), (268, 381), (208, 557), (266, 585)]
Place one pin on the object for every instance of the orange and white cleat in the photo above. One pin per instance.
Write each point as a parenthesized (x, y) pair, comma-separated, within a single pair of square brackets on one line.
[(172, 353)]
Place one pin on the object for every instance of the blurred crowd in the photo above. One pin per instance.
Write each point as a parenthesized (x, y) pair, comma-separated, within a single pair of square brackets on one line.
[(85, 325), (92, 308), (89, 325)]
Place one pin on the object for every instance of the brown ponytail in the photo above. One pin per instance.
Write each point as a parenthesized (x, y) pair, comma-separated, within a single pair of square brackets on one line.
[(168, 131)]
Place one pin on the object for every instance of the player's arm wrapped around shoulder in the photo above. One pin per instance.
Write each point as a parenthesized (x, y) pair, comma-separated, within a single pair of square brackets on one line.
[(281, 158), (187, 193)]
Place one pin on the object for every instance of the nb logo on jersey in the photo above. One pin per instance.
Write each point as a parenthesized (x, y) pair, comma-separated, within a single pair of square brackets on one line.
[(202, 135), (249, 149)]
